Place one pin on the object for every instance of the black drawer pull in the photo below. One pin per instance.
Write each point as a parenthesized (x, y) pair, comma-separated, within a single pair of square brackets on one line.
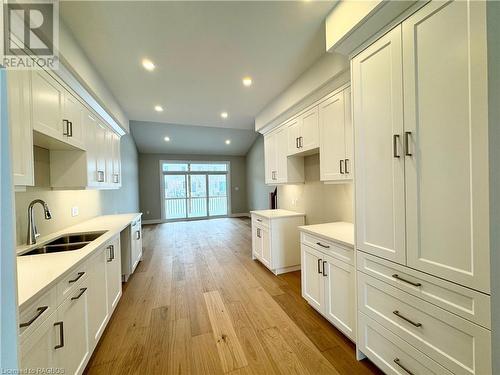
[(398, 362), (396, 276), (61, 334), (324, 263), (319, 266), (320, 244), (79, 294), (396, 312), (40, 311), (80, 274)]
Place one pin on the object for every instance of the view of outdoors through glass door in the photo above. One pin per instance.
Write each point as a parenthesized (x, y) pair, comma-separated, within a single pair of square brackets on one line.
[(195, 189)]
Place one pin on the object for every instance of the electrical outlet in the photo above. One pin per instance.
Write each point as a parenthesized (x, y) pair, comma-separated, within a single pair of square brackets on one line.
[(74, 211)]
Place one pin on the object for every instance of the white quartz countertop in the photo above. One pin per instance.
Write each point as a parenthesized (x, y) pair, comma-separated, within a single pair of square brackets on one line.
[(37, 273), (340, 231), (271, 214)]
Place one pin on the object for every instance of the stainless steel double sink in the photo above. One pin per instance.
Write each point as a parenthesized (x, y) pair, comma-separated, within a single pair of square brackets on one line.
[(66, 242)]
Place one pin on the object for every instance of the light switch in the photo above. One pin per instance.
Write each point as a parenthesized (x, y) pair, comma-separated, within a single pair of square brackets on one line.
[(74, 211)]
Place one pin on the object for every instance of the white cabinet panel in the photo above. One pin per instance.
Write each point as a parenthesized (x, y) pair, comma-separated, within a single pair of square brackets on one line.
[(97, 296), (378, 114), (339, 295), (73, 121), (446, 124), (47, 101), (332, 141), (72, 332), (256, 242), (270, 158), (116, 176), (348, 133), (19, 97), (37, 351), (266, 247), (114, 273), (313, 284), (309, 130), (293, 129)]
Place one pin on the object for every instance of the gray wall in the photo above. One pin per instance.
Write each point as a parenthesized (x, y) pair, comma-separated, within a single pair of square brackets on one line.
[(493, 32), (149, 178), (91, 203), (257, 190)]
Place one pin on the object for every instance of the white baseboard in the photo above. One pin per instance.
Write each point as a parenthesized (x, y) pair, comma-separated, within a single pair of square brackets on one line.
[(161, 221)]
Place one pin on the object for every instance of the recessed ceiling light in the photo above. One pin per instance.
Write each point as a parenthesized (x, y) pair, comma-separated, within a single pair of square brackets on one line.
[(167, 139), (228, 141), (148, 65), (158, 108), (224, 115), (247, 81)]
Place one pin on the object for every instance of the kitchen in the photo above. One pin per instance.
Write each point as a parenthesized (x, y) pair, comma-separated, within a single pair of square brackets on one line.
[(327, 206)]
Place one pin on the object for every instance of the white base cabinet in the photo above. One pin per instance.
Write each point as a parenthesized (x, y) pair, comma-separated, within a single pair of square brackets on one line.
[(63, 336), (275, 239), (131, 248), (328, 283)]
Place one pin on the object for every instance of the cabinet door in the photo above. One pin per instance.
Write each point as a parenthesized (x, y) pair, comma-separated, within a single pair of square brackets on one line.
[(312, 277), (97, 296), (37, 351), (109, 156), (309, 135), (72, 332), (136, 251), (446, 121), (340, 295), (257, 242), (46, 101), (281, 155), (332, 148), (293, 135), (270, 157), (91, 136), (18, 85), (266, 247), (378, 124), (101, 153), (348, 135), (114, 274), (116, 177), (73, 113)]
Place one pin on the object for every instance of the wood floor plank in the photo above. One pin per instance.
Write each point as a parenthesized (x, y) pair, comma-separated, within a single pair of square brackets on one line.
[(230, 352), (198, 304)]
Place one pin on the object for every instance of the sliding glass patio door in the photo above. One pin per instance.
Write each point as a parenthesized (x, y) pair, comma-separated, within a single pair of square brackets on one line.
[(195, 190)]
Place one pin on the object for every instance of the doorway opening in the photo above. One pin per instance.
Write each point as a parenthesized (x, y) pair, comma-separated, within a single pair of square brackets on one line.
[(194, 189)]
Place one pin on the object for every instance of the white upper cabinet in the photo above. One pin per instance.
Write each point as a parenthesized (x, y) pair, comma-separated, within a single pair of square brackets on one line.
[(379, 172), (303, 132), (335, 138), (446, 128), (18, 85), (117, 175), (73, 121), (270, 158), (47, 102)]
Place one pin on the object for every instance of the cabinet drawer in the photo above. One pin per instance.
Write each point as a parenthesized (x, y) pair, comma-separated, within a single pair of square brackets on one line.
[(331, 248), (34, 314), (259, 220), (70, 282), (467, 303), (390, 353), (457, 344)]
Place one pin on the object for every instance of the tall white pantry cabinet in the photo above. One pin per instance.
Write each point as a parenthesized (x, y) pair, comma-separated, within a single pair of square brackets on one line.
[(420, 113)]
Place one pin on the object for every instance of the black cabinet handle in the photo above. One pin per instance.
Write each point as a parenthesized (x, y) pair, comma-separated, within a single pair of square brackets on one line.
[(110, 258), (398, 362), (301, 144), (396, 276), (396, 312), (61, 334), (407, 144), (40, 311), (319, 266), (138, 235), (70, 129), (341, 166), (80, 274), (82, 290), (297, 142), (320, 244), (395, 142), (324, 263), (345, 165)]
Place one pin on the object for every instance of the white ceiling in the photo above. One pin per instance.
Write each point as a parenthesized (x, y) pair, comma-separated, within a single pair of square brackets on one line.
[(193, 140), (201, 51)]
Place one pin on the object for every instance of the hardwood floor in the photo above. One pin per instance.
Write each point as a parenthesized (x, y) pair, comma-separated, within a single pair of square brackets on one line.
[(198, 304)]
